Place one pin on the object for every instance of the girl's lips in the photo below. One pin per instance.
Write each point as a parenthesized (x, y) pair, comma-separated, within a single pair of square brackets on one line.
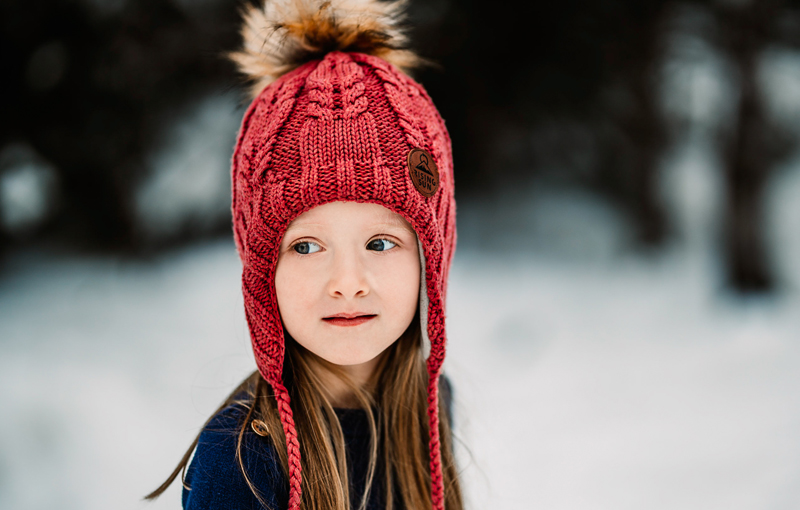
[(343, 321)]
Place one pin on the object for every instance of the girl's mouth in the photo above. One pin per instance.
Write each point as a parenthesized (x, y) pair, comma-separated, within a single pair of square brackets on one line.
[(352, 321)]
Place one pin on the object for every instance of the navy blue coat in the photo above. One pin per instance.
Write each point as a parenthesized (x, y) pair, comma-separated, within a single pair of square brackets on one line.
[(216, 481)]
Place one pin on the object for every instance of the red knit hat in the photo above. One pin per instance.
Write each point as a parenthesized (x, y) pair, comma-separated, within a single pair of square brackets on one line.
[(334, 120)]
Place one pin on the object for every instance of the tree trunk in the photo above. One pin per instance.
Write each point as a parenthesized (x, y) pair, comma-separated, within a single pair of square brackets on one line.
[(749, 156)]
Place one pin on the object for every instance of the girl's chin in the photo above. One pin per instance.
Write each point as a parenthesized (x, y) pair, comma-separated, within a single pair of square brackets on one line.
[(352, 357), (346, 350), (351, 360)]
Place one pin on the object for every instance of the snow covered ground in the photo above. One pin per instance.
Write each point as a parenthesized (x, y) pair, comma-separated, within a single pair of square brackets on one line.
[(623, 384)]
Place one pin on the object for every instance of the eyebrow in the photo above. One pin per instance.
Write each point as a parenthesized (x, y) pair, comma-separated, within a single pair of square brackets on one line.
[(390, 224), (398, 223)]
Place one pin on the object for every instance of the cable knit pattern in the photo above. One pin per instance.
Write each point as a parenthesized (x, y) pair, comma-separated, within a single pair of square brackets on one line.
[(336, 129)]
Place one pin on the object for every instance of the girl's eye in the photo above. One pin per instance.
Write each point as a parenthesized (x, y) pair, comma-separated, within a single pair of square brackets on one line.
[(306, 247), (380, 245)]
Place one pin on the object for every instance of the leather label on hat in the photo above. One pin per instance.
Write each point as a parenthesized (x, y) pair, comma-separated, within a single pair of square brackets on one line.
[(424, 173)]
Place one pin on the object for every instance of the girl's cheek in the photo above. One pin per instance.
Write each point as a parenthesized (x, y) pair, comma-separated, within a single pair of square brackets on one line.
[(403, 275)]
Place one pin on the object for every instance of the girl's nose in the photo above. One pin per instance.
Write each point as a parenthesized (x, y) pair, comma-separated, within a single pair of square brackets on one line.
[(348, 277)]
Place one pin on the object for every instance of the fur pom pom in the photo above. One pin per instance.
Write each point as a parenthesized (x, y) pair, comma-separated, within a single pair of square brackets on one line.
[(284, 34)]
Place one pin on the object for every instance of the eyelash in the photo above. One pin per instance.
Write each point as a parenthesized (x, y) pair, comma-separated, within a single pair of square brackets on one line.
[(384, 238)]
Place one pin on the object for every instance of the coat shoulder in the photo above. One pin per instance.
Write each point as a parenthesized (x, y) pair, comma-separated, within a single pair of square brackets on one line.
[(215, 478)]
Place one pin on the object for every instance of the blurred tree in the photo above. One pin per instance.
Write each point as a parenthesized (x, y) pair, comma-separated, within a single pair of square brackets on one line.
[(560, 92), (756, 144), (634, 49), (88, 81)]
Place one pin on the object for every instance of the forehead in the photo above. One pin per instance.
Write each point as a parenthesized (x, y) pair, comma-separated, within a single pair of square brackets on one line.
[(351, 214)]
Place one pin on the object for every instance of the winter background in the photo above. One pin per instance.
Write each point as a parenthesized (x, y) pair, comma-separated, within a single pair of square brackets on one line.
[(591, 369)]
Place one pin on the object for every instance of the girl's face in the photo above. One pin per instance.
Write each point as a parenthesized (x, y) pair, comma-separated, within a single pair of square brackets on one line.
[(347, 280)]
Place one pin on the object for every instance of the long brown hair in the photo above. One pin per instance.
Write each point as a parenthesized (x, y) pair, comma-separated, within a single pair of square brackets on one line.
[(398, 391)]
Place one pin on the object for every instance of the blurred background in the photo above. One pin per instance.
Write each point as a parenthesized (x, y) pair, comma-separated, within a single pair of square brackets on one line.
[(624, 305)]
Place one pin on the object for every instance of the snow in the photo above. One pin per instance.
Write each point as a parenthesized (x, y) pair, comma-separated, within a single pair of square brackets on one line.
[(697, 84), (188, 186), (783, 222), (625, 383), (28, 194), (630, 387)]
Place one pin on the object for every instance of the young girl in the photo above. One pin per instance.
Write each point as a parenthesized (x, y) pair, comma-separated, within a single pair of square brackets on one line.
[(344, 220)]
